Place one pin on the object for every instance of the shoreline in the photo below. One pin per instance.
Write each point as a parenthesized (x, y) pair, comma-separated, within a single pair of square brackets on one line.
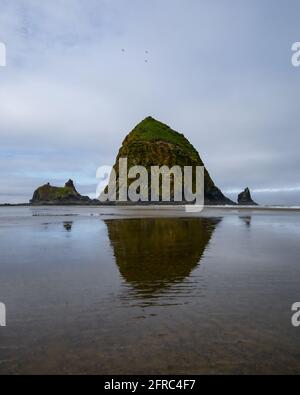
[(157, 207)]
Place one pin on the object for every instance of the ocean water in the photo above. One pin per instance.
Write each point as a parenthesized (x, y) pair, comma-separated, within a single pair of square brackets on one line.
[(94, 291)]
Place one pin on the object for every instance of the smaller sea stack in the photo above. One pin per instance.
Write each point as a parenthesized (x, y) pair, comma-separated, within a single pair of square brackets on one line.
[(245, 198), (51, 195)]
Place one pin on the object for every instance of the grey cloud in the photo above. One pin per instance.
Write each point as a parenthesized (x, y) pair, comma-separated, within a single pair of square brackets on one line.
[(219, 71)]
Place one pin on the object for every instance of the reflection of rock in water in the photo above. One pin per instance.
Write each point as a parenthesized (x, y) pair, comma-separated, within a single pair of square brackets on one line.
[(247, 220), (154, 253), (68, 226)]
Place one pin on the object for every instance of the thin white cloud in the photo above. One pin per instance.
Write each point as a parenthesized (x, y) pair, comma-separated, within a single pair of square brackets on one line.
[(267, 190)]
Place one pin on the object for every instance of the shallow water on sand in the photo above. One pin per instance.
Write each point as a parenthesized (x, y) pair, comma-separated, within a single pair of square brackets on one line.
[(114, 294)]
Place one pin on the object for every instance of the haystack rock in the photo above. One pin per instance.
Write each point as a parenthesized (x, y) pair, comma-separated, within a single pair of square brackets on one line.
[(152, 143)]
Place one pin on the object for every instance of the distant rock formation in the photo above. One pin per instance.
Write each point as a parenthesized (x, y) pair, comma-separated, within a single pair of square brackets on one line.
[(152, 143), (245, 198), (51, 195)]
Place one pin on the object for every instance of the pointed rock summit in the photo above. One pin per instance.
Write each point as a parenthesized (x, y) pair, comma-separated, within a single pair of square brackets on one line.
[(152, 143), (245, 198), (70, 185)]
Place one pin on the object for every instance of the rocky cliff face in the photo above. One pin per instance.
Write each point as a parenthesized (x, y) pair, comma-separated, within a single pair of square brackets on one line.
[(48, 194), (245, 198), (152, 143)]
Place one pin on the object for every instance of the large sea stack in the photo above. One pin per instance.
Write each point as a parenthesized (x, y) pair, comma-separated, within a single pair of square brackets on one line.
[(152, 143)]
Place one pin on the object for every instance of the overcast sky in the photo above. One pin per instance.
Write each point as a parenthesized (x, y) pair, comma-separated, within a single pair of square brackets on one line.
[(218, 71)]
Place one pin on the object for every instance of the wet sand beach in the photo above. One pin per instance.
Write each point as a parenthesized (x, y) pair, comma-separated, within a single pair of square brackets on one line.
[(149, 291)]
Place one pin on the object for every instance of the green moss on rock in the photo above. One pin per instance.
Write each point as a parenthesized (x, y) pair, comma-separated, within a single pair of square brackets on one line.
[(152, 143), (52, 194)]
